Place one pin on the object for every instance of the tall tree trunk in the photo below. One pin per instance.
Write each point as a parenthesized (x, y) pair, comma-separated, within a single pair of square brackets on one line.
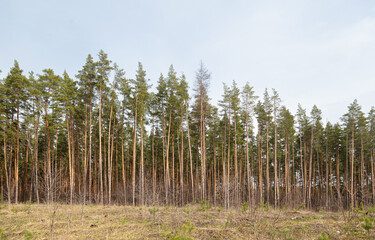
[(100, 148), (122, 155), (247, 155), (48, 170), (228, 162), (17, 152), (203, 141), (168, 180), (235, 162), (352, 171), (182, 159), (134, 149), (287, 188), (260, 166), (109, 169), (275, 165), (302, 172), (338, 178), (267, 165), (85, 160), (362, 177), (5, 161), (90, 157), (310, 168), (142, 174), (190, 155), (70, 159), (372, 175), (153, 159)]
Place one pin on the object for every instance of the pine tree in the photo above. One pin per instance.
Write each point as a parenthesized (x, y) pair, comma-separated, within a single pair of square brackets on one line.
[(350, 120), (16, 87), (235, 107), (248, 102), (125, 92), (315, 123), (103, 69), (287, 132), (202, 77), (49, 83), (303, 123), (140, 98), (371, 121), (66, 95), (87, 83), (275, 105)]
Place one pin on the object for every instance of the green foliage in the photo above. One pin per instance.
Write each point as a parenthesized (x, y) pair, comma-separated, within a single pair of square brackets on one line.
[(28, 235), (323, 236), (265, 206), (187, 209), (244, 207), (124, 221), (184, 233), (14, 210), (153, 211), (204, 206), (3, 235), (219, 209), (368, 224)]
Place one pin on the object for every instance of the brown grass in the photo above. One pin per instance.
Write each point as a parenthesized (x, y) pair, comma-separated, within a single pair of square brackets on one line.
[(31, 221)]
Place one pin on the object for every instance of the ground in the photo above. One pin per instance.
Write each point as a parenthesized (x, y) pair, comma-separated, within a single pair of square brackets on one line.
[(193, 221)]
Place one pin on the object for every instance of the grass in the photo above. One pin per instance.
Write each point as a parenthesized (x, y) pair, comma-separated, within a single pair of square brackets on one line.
[(31, 221)]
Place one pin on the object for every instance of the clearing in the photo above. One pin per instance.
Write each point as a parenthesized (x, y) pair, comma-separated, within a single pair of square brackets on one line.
[(193, 221)]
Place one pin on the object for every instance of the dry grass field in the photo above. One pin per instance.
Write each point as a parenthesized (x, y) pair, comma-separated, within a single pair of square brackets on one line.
[(198, 221)]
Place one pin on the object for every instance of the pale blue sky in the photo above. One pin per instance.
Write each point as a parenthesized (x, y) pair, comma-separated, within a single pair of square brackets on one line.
[(312, 52)]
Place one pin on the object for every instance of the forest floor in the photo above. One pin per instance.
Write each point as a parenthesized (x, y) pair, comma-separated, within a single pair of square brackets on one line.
[(198, 221)]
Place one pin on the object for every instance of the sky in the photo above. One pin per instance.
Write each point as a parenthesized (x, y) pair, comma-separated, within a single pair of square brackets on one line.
[(312, 52)]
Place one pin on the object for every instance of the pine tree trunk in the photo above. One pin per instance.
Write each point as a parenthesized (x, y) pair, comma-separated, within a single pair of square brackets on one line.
[(190, 155), (287, 190), (228, 163), (302, 172), (247, 155), (168, 180), (48, 170), (338, 178), (5, 162), (235, 163), (153, 159), (17, 152), (267, 165), (260, 167), (100, 149), (90, 157), (352, 171), (69, 159), (362, 177), (134, 150), (142, 174), (85, 160), (182, 159), (372, 175), (275, 165), (122, 155), (109, 169), (173, 173), (203, 141), (310, 169)]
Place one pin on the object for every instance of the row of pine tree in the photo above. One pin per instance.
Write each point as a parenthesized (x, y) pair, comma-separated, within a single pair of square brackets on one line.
[(104, 138)]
